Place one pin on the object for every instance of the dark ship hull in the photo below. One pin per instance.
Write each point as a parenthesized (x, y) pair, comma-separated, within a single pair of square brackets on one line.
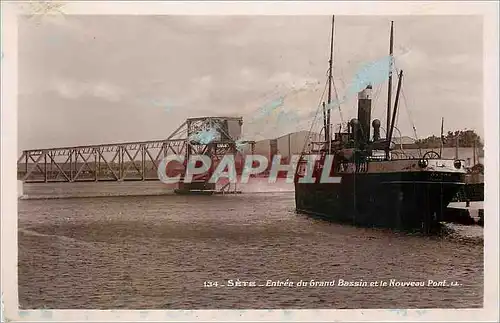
[(406, 200)]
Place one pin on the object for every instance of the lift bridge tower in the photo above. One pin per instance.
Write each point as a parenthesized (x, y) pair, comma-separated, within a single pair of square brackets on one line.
[(139, 161)]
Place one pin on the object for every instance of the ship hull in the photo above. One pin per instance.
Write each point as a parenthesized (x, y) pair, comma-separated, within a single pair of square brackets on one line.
[(402, 200)]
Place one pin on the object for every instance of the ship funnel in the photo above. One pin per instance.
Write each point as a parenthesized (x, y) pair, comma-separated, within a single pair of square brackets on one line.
[(376, 129), (364, 113)]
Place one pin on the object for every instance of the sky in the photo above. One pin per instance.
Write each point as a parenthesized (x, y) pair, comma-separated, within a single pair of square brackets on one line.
[(87, 80)]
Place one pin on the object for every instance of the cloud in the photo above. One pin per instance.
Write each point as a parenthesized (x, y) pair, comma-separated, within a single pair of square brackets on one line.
[(459, 59), (412, 59), (105, 91), (247, 74), (166, 105), (269, 108), (292, 81), (205, 81), (74, 90)]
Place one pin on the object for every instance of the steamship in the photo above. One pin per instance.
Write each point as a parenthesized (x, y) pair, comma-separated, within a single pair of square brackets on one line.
[(377, 187)]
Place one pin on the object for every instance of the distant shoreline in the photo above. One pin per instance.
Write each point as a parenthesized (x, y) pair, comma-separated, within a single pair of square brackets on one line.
[(64, 190)]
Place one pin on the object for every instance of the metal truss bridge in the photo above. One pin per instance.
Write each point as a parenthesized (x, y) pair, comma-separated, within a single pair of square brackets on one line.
[(130, 161)]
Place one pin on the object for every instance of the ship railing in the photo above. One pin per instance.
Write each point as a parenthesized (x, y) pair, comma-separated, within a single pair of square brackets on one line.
[(376, 158), (399, 155)]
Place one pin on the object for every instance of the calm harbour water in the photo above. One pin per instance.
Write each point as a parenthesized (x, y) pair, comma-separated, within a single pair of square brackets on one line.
[(156, 252)]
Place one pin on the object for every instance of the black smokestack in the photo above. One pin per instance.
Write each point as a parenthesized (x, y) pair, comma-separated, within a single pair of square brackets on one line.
[(364, 113)]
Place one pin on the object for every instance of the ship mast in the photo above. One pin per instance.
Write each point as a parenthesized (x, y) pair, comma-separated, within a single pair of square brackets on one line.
[(441, 144), (325, 126), (389, 90), (330, 62), (391, 131)]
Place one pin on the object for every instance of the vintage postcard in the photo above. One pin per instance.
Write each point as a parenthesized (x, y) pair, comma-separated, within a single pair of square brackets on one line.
[(268, 161)]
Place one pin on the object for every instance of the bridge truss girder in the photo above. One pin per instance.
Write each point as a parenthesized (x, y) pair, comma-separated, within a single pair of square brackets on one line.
[(132, 161)]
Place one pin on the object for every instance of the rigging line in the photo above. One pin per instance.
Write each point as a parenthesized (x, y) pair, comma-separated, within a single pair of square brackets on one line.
[(409, 113), (376, 96), (407, 108), (337, 99), (342, 78), (411, 120), (319, 103), (315, 116), (413, 125), (336, 94)]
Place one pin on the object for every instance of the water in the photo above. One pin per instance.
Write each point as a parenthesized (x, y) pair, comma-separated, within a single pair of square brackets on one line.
[(156, 252)]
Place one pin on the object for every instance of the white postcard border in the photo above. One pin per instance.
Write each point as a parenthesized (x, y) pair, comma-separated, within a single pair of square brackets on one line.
[(9, 249)]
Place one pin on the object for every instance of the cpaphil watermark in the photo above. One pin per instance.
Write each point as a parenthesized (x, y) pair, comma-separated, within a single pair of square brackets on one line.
[(201, 166)]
